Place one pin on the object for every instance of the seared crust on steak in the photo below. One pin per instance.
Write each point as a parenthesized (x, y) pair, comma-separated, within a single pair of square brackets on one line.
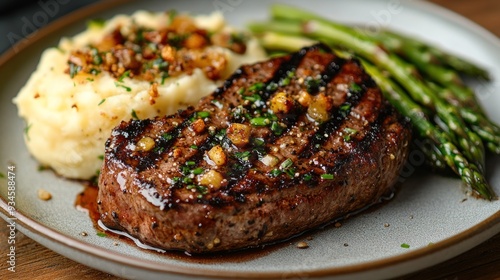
[(283, 146)]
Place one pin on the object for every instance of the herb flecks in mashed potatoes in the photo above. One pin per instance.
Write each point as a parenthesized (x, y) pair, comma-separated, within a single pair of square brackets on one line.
[(148, 53), (147, 63)]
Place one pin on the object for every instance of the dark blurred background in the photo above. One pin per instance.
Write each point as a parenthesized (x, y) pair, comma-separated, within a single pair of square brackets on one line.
[(19, 18)]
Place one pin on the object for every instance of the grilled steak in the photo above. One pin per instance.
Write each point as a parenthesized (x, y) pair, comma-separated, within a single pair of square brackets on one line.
[(283, 146)]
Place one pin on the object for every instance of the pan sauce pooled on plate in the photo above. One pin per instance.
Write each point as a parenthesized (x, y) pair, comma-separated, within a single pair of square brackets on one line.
[(139, 66)]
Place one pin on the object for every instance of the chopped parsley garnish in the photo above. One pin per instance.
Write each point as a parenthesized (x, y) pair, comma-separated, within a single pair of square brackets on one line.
[(124, 75), (286, 81), (96, 58), (217, 104), (312, 85), (353, 87), (348, 133), (134, 114), (327, 176), (74, 69), (276, 128), (307, 177), (275, 172), (123, 86), (200, 115), (194, 147), (406, 246), (167, 136), (259, 121), (252, 98), (242, 155), (286, 164), (256, 86), (258, 142)]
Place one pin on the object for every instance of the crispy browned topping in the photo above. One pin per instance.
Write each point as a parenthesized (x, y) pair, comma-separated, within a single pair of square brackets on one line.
[(148, 54)]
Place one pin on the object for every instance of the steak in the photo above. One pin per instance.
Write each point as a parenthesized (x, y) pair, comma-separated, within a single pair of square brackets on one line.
[(283, 146)]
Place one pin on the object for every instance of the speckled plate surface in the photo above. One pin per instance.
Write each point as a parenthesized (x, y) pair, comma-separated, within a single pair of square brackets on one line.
[(428, 209)]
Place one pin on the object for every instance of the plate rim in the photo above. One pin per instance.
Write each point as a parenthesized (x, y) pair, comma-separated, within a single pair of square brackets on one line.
[(33, 227)]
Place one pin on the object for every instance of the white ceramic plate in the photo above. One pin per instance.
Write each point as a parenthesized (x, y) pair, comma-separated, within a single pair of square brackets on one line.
[(428, 209)]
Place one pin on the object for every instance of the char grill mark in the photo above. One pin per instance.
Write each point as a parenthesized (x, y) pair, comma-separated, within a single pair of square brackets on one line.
[(240, 168)]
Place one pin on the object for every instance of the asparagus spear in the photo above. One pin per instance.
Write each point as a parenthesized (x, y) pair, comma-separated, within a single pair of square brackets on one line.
[(435, 54), (430, 65), (471, 175), (479, 123)]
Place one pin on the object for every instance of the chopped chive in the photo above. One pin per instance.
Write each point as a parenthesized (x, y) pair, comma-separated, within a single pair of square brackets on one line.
[(290, 172), (134, 114), (96, 23), (272, 86), (194, 147), (90, 79), (123, 86), (202, 189), (275, 172), (242, 155), (354, 87), (348, 133), (345, 107), (94, 71), (124, 75), (164, 76), (198, 171), (101, 157), (74, 69), (27, 129), (286, 164), (102, 101), (101, 234), (241, 91), (406, 246), (276, 128), (312, 85), (202, 114), (217, 103), (256, 86), (285, 82), (252, 98), (258, 142), (307, 177), (259, 121), (327, 176), (190, 163), (167, 136)]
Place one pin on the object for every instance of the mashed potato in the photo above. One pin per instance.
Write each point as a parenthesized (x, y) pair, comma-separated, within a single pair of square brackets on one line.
[(69, 117)]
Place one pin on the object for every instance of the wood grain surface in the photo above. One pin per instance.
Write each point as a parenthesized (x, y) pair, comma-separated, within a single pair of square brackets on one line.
[(33, 261)]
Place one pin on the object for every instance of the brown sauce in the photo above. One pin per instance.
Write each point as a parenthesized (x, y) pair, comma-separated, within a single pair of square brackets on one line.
[(87, 201)]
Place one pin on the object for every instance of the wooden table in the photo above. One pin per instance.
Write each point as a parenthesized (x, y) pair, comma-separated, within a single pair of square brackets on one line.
[(483, 262)]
